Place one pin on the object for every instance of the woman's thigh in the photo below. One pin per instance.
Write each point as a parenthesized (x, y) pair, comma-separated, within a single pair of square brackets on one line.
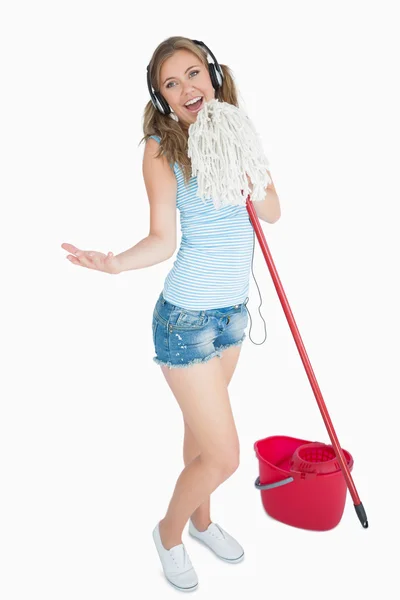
[(202, 395)]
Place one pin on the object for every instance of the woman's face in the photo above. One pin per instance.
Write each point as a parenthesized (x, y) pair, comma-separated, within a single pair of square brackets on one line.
[(187, 78)]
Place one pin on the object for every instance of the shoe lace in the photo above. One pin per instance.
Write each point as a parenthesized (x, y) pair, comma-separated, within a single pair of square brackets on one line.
[(220, 530), (180, 557)]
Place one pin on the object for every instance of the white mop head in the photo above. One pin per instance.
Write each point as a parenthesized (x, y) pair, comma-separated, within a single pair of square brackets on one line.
[(224, 146)]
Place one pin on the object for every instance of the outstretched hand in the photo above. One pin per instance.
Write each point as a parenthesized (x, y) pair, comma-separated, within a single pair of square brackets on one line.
[(90, 259)]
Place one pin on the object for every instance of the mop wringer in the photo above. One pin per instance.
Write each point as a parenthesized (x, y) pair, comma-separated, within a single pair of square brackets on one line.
[(302, 483)]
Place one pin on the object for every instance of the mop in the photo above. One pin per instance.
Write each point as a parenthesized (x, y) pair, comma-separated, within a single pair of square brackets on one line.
[(227, 158), (225, 151)]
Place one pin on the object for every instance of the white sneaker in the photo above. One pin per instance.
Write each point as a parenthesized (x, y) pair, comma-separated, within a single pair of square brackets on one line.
[(176, 564), (219, 541)]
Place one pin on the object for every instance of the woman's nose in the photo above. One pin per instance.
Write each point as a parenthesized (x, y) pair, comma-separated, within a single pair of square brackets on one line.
[(187, 88)]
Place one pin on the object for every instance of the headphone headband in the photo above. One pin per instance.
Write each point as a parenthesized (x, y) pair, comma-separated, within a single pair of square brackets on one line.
[(216, 76), (216, 63)]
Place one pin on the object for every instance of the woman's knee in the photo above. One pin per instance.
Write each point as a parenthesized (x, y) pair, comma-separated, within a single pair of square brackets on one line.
[(226, 460), (230, 462)]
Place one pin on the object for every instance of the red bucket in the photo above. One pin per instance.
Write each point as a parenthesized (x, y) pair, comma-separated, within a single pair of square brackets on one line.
[(301, 482)]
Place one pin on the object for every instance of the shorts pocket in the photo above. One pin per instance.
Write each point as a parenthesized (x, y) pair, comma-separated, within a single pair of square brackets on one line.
[(190, 319)]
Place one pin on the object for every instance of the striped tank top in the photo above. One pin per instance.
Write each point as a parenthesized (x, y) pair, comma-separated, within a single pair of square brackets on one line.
[(212, 266)]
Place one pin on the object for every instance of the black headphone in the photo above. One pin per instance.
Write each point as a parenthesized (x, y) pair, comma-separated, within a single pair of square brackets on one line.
[(216, 76)]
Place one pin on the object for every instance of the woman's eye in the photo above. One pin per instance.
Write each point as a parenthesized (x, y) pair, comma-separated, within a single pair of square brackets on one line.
[(191, 73)]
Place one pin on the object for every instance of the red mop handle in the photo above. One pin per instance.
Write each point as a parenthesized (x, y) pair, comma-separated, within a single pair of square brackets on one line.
[(306, 362)]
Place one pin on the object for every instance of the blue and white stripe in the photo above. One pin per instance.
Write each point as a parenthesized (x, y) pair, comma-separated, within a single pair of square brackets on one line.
[(212, 266)]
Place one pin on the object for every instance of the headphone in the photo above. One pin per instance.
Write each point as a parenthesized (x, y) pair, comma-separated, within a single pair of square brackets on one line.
[(216, 76)]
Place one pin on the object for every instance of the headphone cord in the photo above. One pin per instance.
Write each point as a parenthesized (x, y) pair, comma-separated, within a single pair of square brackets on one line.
[(247, 299)]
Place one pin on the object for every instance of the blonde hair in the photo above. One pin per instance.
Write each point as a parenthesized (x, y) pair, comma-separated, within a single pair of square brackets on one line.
[(174, 134)]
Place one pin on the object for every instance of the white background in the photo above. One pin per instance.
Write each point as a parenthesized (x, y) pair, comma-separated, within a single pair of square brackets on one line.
[(91, 436)]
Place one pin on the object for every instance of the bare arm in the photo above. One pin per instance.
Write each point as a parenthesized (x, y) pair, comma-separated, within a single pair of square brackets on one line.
[(149, 251), (161, 187)]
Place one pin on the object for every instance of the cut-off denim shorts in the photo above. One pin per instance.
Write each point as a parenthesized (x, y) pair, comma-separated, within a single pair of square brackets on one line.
[(183, 337)]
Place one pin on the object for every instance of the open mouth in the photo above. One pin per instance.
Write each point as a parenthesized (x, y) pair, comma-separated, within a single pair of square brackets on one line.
[(196, 106)]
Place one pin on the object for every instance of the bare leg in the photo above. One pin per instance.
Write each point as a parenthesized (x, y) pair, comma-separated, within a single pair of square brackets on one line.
[(202, 395), (201, 517)]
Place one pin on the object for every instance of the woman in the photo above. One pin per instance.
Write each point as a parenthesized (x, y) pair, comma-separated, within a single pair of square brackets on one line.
[(200, 316)]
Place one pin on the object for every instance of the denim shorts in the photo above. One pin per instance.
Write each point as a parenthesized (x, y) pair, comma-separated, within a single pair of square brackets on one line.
[(183, 337)]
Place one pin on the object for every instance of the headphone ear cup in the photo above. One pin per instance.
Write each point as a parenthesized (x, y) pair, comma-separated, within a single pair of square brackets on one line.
[(215, 76), (162, 105)]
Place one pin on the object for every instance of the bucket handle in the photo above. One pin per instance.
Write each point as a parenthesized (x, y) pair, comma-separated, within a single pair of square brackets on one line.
[(268, 486)]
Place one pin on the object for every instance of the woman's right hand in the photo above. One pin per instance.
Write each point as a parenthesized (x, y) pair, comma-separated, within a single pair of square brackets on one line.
[(90, 259)]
